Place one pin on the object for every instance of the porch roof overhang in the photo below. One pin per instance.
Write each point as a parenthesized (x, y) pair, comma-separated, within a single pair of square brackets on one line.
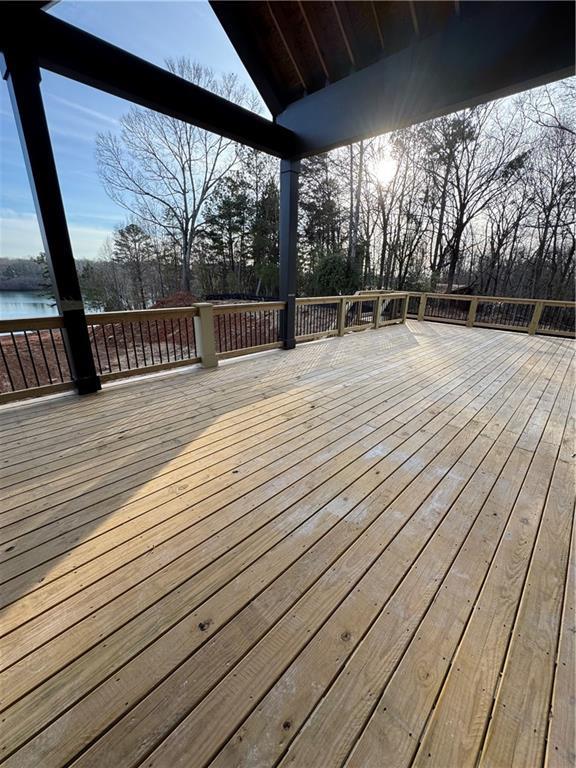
[(331, 73)]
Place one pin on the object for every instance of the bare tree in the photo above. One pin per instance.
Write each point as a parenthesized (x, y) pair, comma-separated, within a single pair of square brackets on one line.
[(484, 197), (163, 171), (479, 154), (552, 106), (552, 188)]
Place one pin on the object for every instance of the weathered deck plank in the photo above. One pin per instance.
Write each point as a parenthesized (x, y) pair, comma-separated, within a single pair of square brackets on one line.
[(294, 559)]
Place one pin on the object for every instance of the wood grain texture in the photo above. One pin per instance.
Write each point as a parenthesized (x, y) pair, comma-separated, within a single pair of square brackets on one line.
[(355, 553)]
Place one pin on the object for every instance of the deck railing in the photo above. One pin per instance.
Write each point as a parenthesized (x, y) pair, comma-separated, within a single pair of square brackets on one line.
[(34, 360), (128, 343), (33, 356), (503, 312), (241, 329), (321, 316)]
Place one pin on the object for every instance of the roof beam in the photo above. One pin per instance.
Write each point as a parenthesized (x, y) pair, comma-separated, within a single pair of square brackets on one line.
[(73, 53), (314, 41), (377, 24), (286, 46), (502, 49), (414, 17), (343, 33)]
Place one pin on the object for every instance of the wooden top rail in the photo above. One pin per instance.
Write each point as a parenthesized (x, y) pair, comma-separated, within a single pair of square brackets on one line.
[(492, 299), (31, 324), (352, 297), (135, 315), (254, 306), (302, 301)]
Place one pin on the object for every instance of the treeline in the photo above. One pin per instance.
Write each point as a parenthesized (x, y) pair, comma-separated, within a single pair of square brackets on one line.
[(479, 201), (21, 274)]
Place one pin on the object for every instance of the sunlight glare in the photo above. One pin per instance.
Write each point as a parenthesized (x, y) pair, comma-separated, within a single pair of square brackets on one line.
[(385, 169)]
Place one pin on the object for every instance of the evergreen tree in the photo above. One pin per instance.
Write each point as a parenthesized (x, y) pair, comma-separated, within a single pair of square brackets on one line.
[(132, 248), (265, 253)]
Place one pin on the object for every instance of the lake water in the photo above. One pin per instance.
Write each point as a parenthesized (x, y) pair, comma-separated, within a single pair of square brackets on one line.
[(16, 304)]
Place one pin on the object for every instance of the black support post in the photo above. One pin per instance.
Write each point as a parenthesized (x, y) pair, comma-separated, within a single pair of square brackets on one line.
[(289, 177), (22, 73)]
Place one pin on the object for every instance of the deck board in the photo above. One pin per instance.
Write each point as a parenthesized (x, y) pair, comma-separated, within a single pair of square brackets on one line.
[(299, 558)]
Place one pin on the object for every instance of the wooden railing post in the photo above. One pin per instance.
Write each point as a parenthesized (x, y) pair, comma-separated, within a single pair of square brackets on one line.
[(405, 307), (342, 317), (536, 315), (471, 319), (377, 312), (204, 333), (422, 306)]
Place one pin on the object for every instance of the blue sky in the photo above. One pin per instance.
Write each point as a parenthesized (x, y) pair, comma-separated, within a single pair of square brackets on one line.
[(153, 30)]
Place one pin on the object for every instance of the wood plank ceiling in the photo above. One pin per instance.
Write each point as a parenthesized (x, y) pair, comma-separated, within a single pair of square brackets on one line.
[(292, 49)]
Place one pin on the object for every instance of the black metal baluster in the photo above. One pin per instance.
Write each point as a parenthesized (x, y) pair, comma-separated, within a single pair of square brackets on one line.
[(10, 379), (173, 337), (134, 344), (16, 350), (158, 341), (187, 337), (56, 355), (180, 343), (66, 357), (95, 344), (116, 346), (142, 342), (32, 361), (125, 346), (44, 357), (166, 344), (105, 337)]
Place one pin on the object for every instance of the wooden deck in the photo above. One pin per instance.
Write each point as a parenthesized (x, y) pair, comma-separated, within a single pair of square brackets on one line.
[(357, 553)]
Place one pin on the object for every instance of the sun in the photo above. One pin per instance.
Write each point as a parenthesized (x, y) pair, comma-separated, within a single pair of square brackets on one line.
[(385, 169)]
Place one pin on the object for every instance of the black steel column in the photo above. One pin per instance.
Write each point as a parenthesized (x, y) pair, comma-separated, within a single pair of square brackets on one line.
[(22, 73), (289, 175)]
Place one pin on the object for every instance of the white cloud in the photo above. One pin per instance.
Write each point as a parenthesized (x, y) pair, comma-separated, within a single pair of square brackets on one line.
[(86, 111), (20, 237)]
